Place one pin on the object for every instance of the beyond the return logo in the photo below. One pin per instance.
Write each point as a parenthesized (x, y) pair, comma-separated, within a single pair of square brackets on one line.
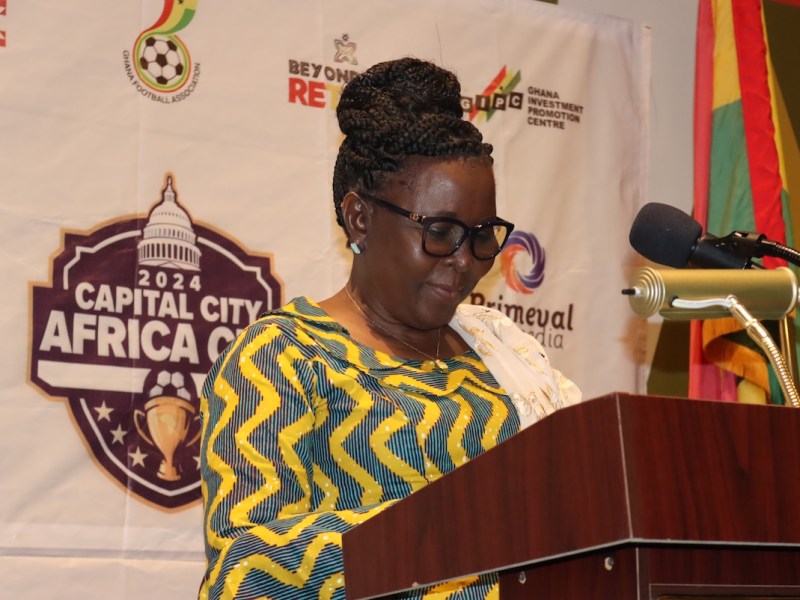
[(317, 85)]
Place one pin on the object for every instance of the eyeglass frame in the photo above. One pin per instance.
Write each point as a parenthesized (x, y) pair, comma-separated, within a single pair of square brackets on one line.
[(425, 221)]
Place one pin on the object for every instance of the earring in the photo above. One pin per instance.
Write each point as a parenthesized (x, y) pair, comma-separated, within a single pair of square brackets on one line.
[(355, 247)]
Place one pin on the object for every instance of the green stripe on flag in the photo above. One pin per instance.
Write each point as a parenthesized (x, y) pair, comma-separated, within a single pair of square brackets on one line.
[(730, 201)]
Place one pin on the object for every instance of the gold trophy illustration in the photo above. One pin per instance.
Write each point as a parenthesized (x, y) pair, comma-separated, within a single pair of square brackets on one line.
[(167, 419)]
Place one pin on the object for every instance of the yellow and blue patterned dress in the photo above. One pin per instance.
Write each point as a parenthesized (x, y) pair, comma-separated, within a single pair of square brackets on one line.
[(307, 433)]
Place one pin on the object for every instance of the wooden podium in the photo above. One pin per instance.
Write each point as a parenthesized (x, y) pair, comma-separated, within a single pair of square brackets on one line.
[(618, 497)]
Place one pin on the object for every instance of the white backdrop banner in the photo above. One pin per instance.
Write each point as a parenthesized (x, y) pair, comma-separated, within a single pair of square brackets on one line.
[(165, 176)]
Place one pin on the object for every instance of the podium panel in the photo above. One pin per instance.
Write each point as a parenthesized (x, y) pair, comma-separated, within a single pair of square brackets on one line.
[(650, 478), (661, 573)]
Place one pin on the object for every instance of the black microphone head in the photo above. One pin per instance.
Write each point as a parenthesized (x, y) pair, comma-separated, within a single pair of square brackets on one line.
[(664, 234)]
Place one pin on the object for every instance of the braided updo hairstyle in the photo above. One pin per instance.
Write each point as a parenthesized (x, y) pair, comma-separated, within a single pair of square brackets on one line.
[(395, 110)]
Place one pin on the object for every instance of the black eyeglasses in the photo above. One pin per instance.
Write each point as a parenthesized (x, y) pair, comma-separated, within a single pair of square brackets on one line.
[(443, 236)]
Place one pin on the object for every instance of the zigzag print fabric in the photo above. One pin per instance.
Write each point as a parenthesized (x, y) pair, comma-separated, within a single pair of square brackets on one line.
[(307, 433)]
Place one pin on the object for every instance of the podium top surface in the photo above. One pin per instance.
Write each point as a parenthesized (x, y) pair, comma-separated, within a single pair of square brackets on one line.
[(619, 469)]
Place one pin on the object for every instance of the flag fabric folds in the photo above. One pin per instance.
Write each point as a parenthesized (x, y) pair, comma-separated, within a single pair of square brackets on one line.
[(739, 182)]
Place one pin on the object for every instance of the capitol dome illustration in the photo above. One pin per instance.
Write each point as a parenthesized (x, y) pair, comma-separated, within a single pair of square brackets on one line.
[(169, 240)]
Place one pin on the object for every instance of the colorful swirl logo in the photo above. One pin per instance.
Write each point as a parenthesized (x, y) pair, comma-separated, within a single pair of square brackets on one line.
[(160, 57), (519, 245)]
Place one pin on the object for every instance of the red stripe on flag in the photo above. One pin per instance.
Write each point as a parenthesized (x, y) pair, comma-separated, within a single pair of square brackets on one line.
[(762, 155), (703, 97), (705, 379), (703, 106), (2, 39)]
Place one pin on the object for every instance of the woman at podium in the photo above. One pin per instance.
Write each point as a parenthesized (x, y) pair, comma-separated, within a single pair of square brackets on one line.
[(323, 413)]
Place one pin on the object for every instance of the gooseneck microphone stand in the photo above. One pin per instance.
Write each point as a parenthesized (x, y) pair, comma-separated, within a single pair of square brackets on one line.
[(758, 333), (757, 245)]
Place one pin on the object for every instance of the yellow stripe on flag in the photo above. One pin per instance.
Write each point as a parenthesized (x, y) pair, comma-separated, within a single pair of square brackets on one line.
[(726, 64)]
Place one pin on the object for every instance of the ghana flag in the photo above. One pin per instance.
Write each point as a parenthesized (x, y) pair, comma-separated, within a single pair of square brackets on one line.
[(740, 175)]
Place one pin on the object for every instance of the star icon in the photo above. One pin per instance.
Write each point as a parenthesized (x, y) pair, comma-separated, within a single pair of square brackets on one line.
[(137, 458), (119, 434), (103, 412)]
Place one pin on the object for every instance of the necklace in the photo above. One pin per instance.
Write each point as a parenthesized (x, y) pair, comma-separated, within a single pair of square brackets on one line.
[(440, 365)]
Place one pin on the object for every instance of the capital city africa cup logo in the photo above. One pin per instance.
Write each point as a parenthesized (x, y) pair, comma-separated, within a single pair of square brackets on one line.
[(136, 313), (160, 59), (522, 262)]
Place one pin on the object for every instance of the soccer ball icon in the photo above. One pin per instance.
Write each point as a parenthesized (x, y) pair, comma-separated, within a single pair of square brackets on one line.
[(168, 384), (161, 61)]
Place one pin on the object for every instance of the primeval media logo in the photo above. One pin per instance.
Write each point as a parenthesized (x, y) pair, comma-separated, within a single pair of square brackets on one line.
[(522, 262)]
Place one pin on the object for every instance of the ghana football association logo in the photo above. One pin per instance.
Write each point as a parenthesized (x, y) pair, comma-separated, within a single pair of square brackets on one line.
[(135, 313), (159, 66)]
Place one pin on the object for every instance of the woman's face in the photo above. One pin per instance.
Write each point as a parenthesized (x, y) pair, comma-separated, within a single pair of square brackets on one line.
[(401, 281)]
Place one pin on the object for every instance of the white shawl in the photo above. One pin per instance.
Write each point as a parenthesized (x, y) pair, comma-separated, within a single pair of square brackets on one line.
[(517, 360)]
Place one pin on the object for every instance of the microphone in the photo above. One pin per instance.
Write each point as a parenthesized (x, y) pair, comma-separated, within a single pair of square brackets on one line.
[(668, 236), (767, 294)]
